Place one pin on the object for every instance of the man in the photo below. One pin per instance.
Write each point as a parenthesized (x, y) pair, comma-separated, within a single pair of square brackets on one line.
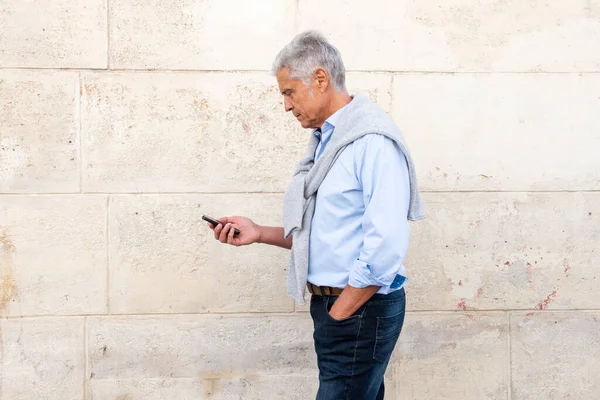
[(346, 215)]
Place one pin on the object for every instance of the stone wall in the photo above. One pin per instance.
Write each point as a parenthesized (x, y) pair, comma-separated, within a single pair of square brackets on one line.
[(123, 121)]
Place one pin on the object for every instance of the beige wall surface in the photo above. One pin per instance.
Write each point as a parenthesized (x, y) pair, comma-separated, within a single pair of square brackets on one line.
[(123, 121)]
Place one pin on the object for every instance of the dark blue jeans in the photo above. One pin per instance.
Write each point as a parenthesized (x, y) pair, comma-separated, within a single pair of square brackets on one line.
[(353, 354)]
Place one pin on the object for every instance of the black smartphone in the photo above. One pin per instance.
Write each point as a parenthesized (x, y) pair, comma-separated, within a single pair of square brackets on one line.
[(216, 222)]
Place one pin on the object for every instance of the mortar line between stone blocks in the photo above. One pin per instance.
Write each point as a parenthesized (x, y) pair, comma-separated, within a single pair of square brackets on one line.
[(256, 314), (513, 191), (523, 311), (264, 373), (108, 34), (297, 17), (187, 71), (107, 227), (279, 193), (176, 193), (509, 394), (86, 370), (52, 69), (35, 194), (79, 131), (372, 71), (420, 72), (392, 97)]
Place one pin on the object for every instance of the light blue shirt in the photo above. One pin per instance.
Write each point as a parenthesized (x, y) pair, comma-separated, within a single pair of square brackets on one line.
[(359, 232)]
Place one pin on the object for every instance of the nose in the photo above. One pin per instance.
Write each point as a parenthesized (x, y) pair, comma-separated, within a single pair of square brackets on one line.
[(287, 104)]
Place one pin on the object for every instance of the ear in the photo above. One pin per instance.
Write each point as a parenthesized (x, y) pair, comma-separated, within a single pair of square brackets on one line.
[(322, 79)]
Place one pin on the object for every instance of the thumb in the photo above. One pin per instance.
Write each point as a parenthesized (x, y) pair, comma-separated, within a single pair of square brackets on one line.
[(227, 220)]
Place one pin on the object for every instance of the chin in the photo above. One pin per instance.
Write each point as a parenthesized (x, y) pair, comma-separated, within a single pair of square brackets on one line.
[(306, 125)]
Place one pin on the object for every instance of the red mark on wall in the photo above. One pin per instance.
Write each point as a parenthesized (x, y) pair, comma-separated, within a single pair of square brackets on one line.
[(507, 263), (479, 292), (462, 305), (246, 127), (545, 303), (570, 249), (460, 283), (202, 104)]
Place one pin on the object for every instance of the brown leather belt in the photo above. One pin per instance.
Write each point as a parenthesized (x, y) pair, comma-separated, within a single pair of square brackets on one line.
[(323, 290)]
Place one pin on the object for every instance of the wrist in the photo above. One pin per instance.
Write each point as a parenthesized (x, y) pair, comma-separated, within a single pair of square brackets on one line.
[(261, 233)]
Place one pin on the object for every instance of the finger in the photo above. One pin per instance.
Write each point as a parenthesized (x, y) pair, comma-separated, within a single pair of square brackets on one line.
[(230, 235), (224, 232), (217, 231), (225, 220)]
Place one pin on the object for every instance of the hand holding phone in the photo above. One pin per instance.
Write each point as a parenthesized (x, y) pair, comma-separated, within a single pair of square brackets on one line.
[(216, 222), (248, 231)]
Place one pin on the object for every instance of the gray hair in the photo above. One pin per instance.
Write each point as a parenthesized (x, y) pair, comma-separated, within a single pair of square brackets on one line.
[(307, 52)]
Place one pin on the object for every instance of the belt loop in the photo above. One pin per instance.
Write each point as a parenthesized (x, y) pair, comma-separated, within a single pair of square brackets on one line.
[(322, 290)]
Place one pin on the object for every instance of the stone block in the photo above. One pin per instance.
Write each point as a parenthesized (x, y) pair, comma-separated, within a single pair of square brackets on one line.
[(460, 35), (555, 356), (377, 86), (164, 259), (42, 358), (205, 35), (450, 357), (52, 255), (39, 143), (53, 34), (503, 251), (156, 132), (214, 350), (515, 132)]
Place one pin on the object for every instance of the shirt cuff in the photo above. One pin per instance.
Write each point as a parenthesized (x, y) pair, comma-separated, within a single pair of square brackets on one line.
[(362, 276)]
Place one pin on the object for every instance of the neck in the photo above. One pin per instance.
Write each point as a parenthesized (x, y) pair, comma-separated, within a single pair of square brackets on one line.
[(338, 100)]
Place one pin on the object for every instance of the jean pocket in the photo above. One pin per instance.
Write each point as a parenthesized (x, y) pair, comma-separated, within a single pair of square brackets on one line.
[(388, 332), (328, 303)]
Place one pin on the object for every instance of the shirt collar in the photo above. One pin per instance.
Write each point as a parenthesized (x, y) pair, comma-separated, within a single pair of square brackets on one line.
[(330, 123)]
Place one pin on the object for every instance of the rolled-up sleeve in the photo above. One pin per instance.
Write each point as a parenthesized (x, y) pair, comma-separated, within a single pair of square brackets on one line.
[(381, 168)]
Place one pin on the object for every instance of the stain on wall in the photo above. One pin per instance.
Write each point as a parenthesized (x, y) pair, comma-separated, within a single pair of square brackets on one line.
[(8, 285)]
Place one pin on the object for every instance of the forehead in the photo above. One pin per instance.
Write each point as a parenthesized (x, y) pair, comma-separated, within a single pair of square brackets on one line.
[(285, 81)]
